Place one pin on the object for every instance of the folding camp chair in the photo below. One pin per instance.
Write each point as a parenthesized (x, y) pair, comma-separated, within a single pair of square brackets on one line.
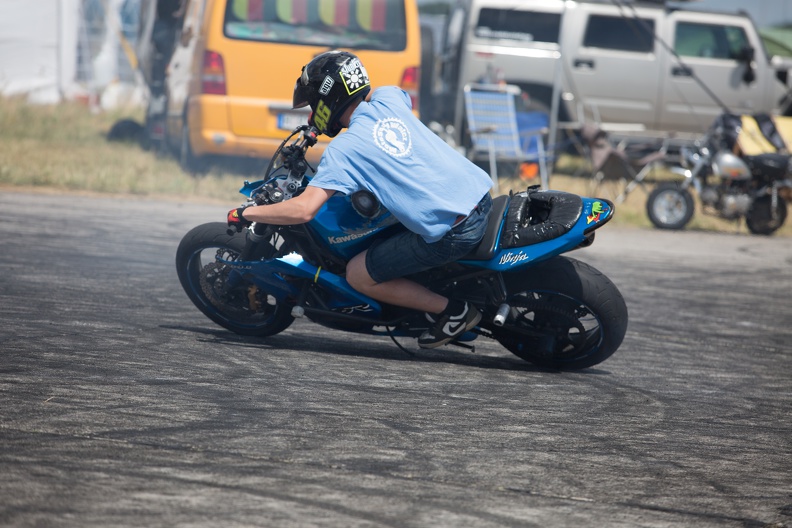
[(628, 164), (495, 131)]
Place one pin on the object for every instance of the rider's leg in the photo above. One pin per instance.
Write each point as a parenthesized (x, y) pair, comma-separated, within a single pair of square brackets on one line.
[(452, 318), (380, 271), (400, 291)]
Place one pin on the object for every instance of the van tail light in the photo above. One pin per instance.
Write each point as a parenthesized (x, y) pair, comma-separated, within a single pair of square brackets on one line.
[(213, 80), (410, 83)]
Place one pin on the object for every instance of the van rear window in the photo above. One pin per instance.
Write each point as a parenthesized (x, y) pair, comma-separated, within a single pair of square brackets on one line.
[(515, 24), (355, 24)]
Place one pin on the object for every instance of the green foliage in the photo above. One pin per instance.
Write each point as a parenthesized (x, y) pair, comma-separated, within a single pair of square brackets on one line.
[(778, 41)]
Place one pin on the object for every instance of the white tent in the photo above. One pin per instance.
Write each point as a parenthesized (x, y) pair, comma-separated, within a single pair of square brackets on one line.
[(38, 48), (52, 50)]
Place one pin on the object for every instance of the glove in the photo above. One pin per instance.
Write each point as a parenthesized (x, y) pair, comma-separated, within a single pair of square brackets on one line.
[(236, 220)]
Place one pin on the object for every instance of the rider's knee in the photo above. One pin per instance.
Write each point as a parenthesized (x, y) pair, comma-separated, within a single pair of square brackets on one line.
[(356, 273)]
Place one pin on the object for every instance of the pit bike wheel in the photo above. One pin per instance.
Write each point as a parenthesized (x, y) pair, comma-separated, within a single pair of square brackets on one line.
[(759, 218), (670, 206)]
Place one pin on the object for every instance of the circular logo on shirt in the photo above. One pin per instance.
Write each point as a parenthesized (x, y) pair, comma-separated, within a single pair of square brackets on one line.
[(392, 136)]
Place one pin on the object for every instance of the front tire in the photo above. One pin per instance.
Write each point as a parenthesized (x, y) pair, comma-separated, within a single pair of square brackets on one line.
[(670, 206), (759, 218), (565, 315), (234, 304)]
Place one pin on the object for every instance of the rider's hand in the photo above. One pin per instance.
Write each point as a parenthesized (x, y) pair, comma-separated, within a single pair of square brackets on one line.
[(236, 220)]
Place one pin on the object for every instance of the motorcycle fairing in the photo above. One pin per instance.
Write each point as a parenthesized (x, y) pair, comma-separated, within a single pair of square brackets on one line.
[(594, 214), (271, 276), (248, 188), (344, 231)]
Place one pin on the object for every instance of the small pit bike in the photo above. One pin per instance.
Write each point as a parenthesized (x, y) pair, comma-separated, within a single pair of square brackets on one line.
[(546, 308), (731, 187)]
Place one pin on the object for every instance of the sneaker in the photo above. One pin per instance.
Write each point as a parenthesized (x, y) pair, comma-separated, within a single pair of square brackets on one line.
[(449, 327)]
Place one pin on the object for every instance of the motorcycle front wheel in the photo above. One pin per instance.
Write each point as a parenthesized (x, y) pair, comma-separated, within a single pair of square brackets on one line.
[(223, 297), (564, 315), (760, 219), (670, 206)]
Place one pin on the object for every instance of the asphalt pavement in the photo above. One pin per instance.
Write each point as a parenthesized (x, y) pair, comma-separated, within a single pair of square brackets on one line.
[(122, 405)]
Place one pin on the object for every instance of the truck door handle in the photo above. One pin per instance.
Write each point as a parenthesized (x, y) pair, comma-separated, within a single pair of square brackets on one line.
[(579, 63), (682, 71)]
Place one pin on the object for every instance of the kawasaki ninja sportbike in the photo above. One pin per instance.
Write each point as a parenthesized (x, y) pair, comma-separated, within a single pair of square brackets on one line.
[(548, 309)]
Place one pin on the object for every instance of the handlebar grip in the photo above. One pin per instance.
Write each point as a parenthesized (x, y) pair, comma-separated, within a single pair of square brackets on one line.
[(310, 137)]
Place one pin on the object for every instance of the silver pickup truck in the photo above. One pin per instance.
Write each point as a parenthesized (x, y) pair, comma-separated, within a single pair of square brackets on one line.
[(637, 64)]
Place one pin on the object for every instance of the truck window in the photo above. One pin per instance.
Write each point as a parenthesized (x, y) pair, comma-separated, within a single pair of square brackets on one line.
[(513, 24), (620, 33), (709, 40), (364, 24)]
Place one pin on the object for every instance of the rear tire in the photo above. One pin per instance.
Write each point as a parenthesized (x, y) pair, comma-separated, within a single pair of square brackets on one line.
[(564, 315), (759, 218), (670, 206), (242, 307)]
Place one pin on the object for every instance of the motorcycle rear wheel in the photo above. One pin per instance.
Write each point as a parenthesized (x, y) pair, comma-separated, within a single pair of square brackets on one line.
[(669, 206), (759, 218), (242, 308), (565, 315)]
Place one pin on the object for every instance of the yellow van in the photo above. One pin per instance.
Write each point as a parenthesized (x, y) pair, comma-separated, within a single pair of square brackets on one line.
[(229, 82)]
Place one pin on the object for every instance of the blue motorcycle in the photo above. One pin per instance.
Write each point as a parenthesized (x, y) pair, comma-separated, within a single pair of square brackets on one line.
[(548, 309)]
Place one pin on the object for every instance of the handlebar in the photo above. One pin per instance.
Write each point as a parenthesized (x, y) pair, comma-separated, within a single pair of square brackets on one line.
[(294, 155), (292, 158), (310, 136)]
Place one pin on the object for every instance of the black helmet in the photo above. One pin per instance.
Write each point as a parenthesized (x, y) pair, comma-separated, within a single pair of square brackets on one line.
[(330, 83)]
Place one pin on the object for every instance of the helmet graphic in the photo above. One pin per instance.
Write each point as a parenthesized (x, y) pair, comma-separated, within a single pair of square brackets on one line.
[(329, 84)]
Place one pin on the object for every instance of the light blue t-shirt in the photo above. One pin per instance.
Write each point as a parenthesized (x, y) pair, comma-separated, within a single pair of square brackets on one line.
[(422, 181)]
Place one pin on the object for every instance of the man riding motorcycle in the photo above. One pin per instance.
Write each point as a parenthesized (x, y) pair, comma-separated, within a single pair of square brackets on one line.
[(438, 194)]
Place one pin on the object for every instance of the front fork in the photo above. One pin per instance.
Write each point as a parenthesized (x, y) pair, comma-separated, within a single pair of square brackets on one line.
[(690, 177), (254, 236), (255, 248)]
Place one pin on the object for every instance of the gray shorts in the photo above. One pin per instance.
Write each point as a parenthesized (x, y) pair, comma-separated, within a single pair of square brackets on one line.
[(407, 253)]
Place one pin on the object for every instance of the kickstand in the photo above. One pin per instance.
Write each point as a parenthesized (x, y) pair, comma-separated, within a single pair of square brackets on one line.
[(460, 344), (393, 338)]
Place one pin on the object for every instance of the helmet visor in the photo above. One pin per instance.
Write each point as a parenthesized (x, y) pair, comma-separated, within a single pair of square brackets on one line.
[(301, 94)]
